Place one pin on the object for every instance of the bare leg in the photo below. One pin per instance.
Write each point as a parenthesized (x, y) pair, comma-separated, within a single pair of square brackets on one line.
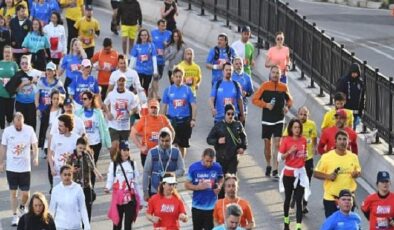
[(267, 151), (124, 45), (114, 149), (275, 149), (14, 200), (25, 197)]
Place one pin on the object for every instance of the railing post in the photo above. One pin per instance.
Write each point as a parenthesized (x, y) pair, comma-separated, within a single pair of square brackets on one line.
[(189, 5), (227, 13), (311, 64), (390, 116), (341, 63), (215, 5), (376, 103), (259, 40), (330, 102), (321, 93), (293, 45), (202, 8), (250, 10), (302, 50), (365, 93), (239, 14)]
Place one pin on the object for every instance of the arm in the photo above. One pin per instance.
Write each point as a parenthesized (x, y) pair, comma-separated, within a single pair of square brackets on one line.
[(241, 107), (194, 111), (82, 209), (213, 137), (320, 175), (180, 166), (146, 175), (164, 109), (256, 98), (110, 177), (35, 154), (134, 138), (2, 154), (37, 98), (354, 146), (211, 104), (322, 143)]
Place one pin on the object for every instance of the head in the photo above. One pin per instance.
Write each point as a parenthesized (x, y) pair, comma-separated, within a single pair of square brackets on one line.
[(89, 100), (165, 138), (21, 11), (279, 38), (238, 64), (345, 201), (354, 70), (339, 100), (222, 40), (7, 53), (341, 140), (88, 11), (341, 118), (50, 71), (383, 182), (233, 216), (25, 63), (177, 76), (55, 98), (143, 36), (66, 174), (168, 185), (274, 74), (9, 3), (37, 26), (303, 114), (18, 121), (38, 206), (208, 157), (229, 113), (122, 62), (230, 186), (227, 70), (245, 34), (66, 124), (56, 19), (68, 106), (76, 45), (154, 107), (121, 83), (177, 38), (294, 128), (161, 24), (82, 144), (188, 55), (86, 67), (107, 45)]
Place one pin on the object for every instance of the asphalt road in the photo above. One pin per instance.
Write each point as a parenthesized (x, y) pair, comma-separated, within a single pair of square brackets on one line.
[(367, 32), (262, 192)]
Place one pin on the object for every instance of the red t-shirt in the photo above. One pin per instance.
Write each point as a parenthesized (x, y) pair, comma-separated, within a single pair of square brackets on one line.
[(297, 158), (327, 140), (380, 211), (168, 209)]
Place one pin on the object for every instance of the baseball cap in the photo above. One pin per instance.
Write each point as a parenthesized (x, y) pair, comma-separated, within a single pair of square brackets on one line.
[(86, 63), (154, 102), (124, 145), (245, 29), (344, 192), (51, 66), (68, 101), (89, 7), (341, 113), (169, 180), (122, 76), (383, 176)]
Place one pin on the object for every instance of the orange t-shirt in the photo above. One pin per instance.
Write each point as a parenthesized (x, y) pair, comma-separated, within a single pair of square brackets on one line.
[(218, 211), (168, 209), (148, 127), (279, 56), (107, 63)]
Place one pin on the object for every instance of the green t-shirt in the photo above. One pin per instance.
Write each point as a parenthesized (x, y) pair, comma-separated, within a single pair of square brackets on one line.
[(246, 52), (7, 71)]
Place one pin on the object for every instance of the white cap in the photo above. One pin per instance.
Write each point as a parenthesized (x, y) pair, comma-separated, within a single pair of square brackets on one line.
[(169, 180), (86, 63)]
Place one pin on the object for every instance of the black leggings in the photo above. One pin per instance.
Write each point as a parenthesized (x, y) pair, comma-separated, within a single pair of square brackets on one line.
[(228, 166), (29, 113), (96, 150), (288, 183), (202, 219), (129, 211), (88, 200), (145, 81), (72, 32), (6, 111), (67, 83)]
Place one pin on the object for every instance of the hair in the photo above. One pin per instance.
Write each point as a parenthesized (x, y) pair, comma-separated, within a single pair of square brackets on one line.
[(279, 33), (107, 42), (139, 40), (161, 21), (165, 133), (81, 53), (180, 41), (67, 120), (160, 190), (230, 176), (191, 50), (122, 57), (53, 93), (233, 210), (19, 115), (45, 216), (226, 64), (12, 5), (19, 7), (341, 133), (40, 31), (339, 96), (238, 58), (83, 140), (178, 70), (118, 157), (229, 107), (291, 124), (223, 35), (65, 167), (59, 18), (210, 152), (91, 96)]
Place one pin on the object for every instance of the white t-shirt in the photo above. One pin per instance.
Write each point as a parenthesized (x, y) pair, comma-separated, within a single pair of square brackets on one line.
[(62, 146), (79, 127), (121, 105), (18, 147), (92, 128), (53, 115), (239, 48), (131, 78)]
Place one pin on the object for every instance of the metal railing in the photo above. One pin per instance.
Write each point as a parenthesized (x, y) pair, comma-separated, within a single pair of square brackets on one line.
[(317, 55)]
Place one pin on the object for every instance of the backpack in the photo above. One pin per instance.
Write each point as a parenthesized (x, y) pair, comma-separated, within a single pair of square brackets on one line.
[(131, 163), (228, 52), (218, 83)]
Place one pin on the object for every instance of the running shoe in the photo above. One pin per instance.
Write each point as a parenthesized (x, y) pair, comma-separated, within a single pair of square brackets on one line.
[(275, 174), (268, 171), (15, 220)]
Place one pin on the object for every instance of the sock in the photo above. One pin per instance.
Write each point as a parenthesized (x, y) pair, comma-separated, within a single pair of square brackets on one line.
[(298, 226), (286, 219)]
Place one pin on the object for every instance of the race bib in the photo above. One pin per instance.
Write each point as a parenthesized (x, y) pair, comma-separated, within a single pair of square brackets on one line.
[(86, 41), (88, 125), (382, 223), (107, 66), (154, 136), (208, 181), (160, 52), (179, 102), (144, 57), (74, 67), (222, 61), (227, 100), (189, 81)]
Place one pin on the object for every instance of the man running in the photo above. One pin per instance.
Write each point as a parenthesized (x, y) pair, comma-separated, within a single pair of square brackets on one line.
[(192, 70), (245, 49)]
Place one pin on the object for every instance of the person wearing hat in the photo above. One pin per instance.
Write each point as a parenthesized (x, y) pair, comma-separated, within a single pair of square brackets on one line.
[(329, 119), (218, 56), (88, 28), (86, 82), (122, 179), (118, 106), (378, 207), (344, 218), (161, 159), (327, 137), (145, 133), (166, 208), (279, 55), (245, 49), (339, 169)]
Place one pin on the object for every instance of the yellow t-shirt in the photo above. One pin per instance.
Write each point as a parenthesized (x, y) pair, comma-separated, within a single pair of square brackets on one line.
[(329, 119), (87, 31), (347, 164), (73, 9), (192, 74), (309, 131), (9, 13)]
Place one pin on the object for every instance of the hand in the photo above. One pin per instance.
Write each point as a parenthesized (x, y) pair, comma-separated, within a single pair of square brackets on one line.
[(292, 149), (110, 117), (197, 87), (2, 166), (240, 151), (391, 222), (171, 8), (222, 140), (253, 63), (214, 112), (53, 172), (192, 123), (100, 177), (244, 93), (203, 185), (35, 162), (332, 176), (355, 174), (269, 106), (154, 219), (146, 196), (285, 109), (144, 149), (183, 217), (241, 117), (216, 191), (106, 191)]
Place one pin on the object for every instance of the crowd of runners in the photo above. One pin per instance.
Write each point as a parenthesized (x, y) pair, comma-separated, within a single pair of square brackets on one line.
[(52, 101)]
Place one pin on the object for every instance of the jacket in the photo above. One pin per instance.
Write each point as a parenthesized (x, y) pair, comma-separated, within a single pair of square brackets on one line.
[(14, 82), (129, 12), (18, 33), (353, 88), (233, 142), (173, 55), (103, 127), (32, 222)]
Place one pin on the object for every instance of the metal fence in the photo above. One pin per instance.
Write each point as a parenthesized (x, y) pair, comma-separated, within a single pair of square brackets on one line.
[(318, 56)]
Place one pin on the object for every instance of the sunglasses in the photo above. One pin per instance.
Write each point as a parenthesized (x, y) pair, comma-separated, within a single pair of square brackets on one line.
[(67, 174), (279, 39), (85, 98), (230, 114)]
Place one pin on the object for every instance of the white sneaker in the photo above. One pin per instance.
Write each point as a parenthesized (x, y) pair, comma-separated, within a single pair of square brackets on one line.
[(15, 220), (22, 211)]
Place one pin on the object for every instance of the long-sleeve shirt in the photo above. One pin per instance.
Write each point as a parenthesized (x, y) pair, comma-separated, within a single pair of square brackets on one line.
[(68, 207), (57, 39)]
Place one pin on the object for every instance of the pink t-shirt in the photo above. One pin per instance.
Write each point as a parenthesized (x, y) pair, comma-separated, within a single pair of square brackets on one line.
[(279, 56)]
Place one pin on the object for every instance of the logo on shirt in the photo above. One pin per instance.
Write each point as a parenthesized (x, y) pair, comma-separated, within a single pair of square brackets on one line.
[(383, 209), (167, 208)]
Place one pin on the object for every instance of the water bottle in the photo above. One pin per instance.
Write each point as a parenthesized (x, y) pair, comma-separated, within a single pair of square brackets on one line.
[(272, 102)]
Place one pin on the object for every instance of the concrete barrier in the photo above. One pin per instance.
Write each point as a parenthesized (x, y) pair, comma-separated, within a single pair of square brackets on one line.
[(203, 31)]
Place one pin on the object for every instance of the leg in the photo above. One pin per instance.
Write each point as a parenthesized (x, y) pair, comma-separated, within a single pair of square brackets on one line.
[(198, 219), (50, 177), (208, 220), (114, 148), (131, 43), (120, 211), (67, 83), (124, 44), (103, 91), (88, 201), (3, 112), (329, 207), (24, 186), (288, 184), (267, 154), (275, 149), (170, 77), (143, 158), (89, 52), (72, 32), (309, 172), (10, 109), (14, 201), (299, 196), (129, 213)]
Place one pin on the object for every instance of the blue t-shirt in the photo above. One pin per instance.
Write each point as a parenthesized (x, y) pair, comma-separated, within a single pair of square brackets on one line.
[(143, 53), (245, 82), (204, 199), (217, 74), (223, 227), (178, 100), (41, 12), (339, 221), (54, 5), (80, 85), (27, 93), (225, 94), (35, 42), (72, 64), (159, 38), (45, 89)]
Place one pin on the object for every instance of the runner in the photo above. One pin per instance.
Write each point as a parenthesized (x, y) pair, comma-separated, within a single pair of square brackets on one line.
[(174, 52), (38, 215), (16, 143), (218, 56), (73, 11), (192, 71), (179, 104), (275, 100), (88, 29), (20, 26), (57, 37), (378, 207), (168, 11), (105, 62), (233, 216), (205, 179), (329, 119), (8, 10), (245, 50), (279, 55), (130, 15)]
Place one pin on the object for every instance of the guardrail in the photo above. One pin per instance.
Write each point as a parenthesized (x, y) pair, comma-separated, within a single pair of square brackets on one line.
[(317, 55)]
